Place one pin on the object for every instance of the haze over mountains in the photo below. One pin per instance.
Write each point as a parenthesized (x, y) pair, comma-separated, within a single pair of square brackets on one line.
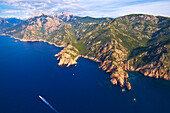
[(8, 22), (135, 42)]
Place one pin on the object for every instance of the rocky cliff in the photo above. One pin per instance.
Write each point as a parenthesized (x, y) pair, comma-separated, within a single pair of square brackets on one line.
[(68, 56), (135, 42)]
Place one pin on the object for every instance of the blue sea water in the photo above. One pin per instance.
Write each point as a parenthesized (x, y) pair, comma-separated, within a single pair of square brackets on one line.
[(29, 69)]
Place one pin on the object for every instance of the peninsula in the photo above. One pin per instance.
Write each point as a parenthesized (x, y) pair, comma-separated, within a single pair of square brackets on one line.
[(136, 42)]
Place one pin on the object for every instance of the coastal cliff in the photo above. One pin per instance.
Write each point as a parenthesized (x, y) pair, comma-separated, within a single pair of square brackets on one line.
[(153, 63), (68, 56), (134, 42)]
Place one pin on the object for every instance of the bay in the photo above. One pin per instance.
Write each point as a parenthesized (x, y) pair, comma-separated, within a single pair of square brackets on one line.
[(29, 69)]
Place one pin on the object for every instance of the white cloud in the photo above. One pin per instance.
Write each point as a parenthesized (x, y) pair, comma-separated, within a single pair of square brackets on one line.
[(117, 9), (12, 11), (95, 8), (14, 16), (154, 8)]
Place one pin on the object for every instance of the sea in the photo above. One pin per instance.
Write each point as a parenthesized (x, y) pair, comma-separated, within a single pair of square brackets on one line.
[(30, 69)]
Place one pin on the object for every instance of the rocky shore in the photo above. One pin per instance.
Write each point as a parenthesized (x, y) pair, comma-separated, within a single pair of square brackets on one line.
[(118, 77), (135, 42), (69, 55), (34, 40), (91, 58), (150, 71)]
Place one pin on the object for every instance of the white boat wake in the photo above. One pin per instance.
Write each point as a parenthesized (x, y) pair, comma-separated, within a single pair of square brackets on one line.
[(43, 99)]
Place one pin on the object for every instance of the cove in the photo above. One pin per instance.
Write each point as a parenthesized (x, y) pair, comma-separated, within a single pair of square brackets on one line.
[(29, 69)]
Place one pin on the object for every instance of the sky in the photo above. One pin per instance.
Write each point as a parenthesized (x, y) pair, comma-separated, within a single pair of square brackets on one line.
[(93, 8)]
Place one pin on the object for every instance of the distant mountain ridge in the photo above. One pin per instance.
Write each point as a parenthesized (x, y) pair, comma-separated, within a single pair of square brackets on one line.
[(8, 22), (136, 42)]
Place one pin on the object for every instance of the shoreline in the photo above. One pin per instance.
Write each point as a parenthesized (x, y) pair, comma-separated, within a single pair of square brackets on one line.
[(83, 56), (61, 46), (25, 40)]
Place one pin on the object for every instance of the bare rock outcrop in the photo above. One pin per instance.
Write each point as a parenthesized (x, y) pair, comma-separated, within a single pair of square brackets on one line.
[(68, 56), (128, 85)]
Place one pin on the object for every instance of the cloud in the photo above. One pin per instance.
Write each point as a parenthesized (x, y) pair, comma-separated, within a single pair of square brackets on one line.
[(116, 9), (34, 6), (154, 8), (12, 11), (95, 8)]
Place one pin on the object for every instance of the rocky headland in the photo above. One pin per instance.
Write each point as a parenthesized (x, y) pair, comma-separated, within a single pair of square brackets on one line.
[(134, 42)]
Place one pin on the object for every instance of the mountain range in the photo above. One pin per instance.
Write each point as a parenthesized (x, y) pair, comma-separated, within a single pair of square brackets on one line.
[(8, 22), (136, 42)]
